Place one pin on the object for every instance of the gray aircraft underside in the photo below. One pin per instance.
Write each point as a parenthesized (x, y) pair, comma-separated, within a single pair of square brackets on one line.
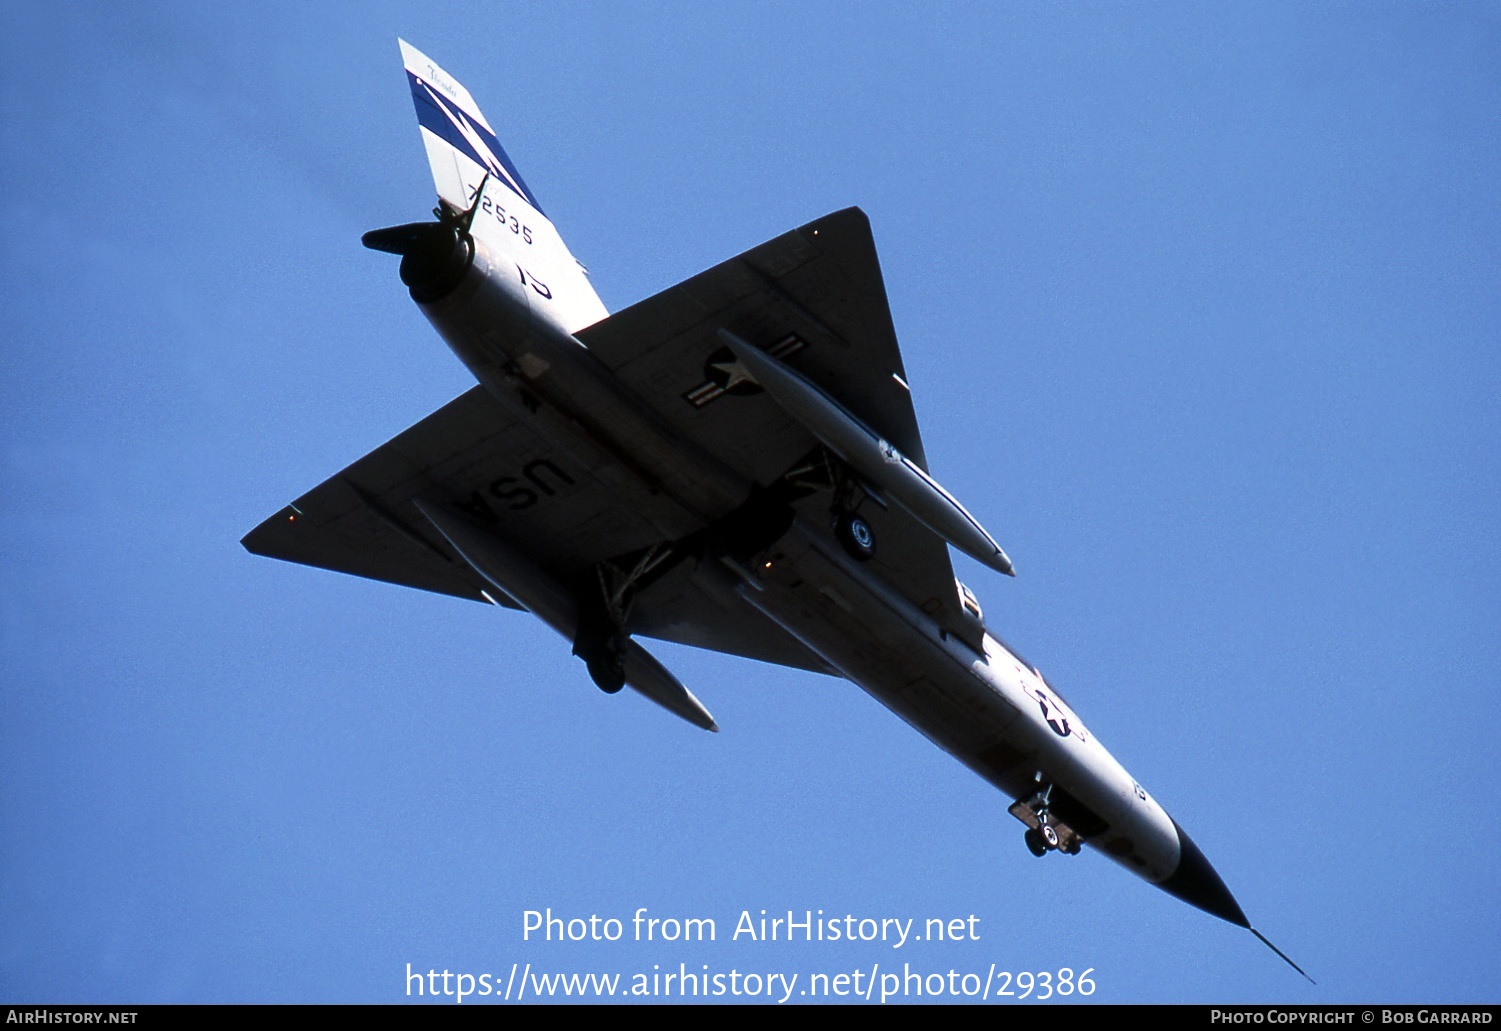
[(733, 464)]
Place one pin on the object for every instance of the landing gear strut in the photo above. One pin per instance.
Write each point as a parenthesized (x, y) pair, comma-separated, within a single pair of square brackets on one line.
[(1043, 838), (602, 638), (1044, 832), (821, 470)]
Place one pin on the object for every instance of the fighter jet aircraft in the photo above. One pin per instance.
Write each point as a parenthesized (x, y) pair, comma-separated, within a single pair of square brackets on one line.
[(734, 464)]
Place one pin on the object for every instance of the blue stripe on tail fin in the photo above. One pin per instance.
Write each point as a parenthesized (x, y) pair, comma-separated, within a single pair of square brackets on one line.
[(450, 123)]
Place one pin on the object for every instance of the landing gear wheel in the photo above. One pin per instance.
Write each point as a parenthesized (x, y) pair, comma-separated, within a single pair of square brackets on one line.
[(1071, 849), (1050, 835), (856, 536), (1034, 841), (607, 670)]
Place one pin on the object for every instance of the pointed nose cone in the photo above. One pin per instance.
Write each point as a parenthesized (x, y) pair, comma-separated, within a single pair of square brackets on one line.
[(1196, 883)]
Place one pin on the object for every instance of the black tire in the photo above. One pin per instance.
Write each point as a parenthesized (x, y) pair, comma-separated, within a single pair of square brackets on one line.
[(1035, 844), (856, 536), (607, 670)]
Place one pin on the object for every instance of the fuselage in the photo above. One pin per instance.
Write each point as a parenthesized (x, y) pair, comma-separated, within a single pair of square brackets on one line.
[(970, 695), (733, 463)]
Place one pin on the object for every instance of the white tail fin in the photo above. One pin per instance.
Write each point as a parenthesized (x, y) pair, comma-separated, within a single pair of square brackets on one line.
[(469, 165)]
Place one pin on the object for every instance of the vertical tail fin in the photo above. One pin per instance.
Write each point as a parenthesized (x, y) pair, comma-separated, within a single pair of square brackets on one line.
[(462, 149)]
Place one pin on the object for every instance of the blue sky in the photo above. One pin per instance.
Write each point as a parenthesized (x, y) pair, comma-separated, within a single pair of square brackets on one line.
[(1199, 305)]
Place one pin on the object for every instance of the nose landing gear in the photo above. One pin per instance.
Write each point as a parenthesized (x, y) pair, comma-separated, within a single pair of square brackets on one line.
[(1044, 838), (1045, 833)]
